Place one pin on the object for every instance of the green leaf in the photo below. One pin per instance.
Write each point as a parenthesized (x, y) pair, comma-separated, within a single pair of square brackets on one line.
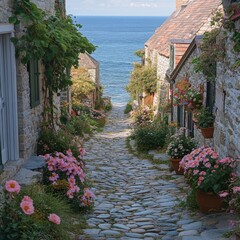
[(12, 19)]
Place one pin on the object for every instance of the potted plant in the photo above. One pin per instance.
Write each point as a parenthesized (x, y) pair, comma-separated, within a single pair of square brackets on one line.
[(209, 176), (232, 9), (179, 146), (204, 120), (194, 99)]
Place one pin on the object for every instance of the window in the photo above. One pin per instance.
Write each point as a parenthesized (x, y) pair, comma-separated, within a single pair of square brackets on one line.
[(190, 124), (33, 69), (180, 116)]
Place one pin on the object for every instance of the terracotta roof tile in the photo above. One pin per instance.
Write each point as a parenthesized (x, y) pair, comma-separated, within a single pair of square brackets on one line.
[(182, 24)]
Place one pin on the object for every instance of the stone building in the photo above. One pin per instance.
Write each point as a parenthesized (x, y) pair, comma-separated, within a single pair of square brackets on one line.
[(21, 92), (185, 69), (172, 38), (222, 96), (92, 65)]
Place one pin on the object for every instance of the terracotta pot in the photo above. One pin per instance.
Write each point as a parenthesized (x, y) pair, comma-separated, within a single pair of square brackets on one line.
[(209, 202), (237, 235), (207, 132), (175, 164)]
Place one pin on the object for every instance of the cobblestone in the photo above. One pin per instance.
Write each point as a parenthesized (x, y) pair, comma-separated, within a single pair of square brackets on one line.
[(136, 200)]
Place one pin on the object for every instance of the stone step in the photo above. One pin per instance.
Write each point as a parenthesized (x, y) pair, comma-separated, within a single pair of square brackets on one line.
[(34, 163), (27, 177)]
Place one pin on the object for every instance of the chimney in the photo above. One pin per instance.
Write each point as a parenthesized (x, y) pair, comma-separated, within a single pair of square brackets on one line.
[(180, 3)]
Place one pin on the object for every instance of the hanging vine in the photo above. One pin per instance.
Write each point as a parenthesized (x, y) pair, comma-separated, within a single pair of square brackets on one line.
[(54, 40)]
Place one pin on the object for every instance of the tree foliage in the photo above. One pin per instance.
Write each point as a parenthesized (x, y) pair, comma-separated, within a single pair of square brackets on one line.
[(143, 79), (82, 85), (54, 40)]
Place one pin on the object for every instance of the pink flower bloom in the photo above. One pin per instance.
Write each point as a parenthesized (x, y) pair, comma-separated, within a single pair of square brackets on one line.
[(208, 165), (54, 218), (236, 189), (27, 199), (223, 194), (54, 177), (195, 172), (27, 206), (202, 173), (12, 186)]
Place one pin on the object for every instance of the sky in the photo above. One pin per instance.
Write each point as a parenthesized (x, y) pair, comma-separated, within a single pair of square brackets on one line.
[(120, 7)]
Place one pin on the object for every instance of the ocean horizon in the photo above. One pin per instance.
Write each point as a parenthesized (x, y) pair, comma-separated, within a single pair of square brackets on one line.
[(117, 39)]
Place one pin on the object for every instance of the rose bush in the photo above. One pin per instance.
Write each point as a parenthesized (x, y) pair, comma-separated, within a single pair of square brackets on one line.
[(180, 145), (205, 171)]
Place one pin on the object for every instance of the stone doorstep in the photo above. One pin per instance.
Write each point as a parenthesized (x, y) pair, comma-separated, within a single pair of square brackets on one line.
[(10, 170)]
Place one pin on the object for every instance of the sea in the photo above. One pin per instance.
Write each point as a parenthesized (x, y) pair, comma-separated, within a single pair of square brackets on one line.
[(117, 39)]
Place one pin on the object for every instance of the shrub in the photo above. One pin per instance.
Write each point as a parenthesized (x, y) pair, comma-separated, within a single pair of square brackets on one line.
[(150, 136), (78, 125), (180, 145), (65, 175), (205, 171), (142, 116), (25, 215), (128, 108), (51, 141)]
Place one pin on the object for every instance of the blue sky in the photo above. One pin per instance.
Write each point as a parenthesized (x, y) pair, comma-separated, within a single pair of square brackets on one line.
[(120, 7)]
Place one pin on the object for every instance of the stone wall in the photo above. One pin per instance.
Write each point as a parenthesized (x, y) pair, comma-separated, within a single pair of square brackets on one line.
[(162, 84), (28, 119), (227, 122)]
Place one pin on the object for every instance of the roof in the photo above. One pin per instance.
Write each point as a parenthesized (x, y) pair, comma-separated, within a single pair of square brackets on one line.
[(85, 60), (190, 49), (185, 23)]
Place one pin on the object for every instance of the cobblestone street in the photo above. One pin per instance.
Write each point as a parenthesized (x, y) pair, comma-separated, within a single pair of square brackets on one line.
[(136, 199)]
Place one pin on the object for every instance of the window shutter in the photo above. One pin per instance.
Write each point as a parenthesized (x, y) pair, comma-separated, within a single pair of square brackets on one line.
[(34, 83)]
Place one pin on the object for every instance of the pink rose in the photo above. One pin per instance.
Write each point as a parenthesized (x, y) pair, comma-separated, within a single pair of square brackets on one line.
[(27, 199), (12, 186), (27, 206), (236, 189), (223, 194), (54, 218)]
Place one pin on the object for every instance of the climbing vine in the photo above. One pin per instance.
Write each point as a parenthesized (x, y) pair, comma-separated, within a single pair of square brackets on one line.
[(212, 48), (54, 40)]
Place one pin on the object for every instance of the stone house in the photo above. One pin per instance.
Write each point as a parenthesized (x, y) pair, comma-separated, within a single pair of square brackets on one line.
[(173, 37), (222, 96), (92, 65), (21, 92)]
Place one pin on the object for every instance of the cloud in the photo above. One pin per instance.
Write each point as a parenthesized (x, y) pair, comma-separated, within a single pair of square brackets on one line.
[(143, 5), (121, 7)]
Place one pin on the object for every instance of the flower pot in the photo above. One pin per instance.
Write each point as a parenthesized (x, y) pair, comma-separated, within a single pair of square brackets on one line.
[(209, 202), (237, 235), (207, 132), (175, 164)]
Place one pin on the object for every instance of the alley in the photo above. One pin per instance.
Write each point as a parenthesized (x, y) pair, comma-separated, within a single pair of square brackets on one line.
[(134, 198)]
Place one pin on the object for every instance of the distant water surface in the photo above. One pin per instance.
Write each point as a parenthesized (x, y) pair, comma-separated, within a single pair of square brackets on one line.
[(117, 38)]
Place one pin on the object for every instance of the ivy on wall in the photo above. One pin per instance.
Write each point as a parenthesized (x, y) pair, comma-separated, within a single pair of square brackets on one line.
[(212, 48), (56, 41)]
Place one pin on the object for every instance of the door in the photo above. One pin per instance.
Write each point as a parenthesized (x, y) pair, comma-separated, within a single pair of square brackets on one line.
[(3, 112)]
